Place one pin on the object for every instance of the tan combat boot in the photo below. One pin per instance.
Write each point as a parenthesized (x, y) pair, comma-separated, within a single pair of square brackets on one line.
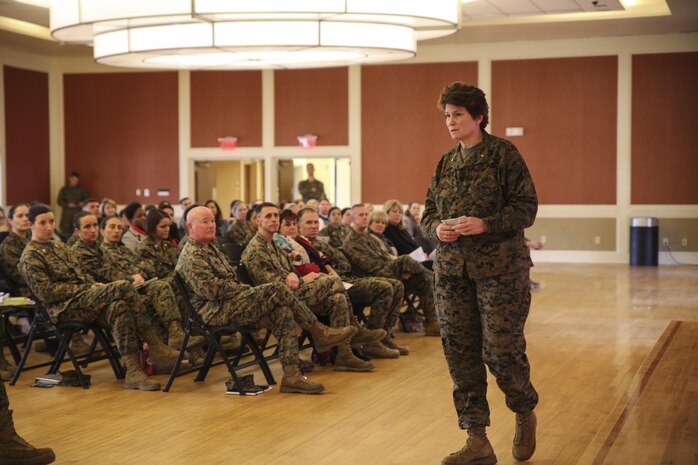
[(347, 361), (477, 451), (17, 451), (325, 337), (364, 335), (525, 437), (378, 350), (161, 355), (294, 382), (78, 344), (391, 344), (7, 368), (135, 378), (175, 337), (432, 327)]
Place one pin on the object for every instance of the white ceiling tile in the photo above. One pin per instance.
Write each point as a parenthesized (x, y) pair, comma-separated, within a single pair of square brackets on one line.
[(516, 7), (558, 6), (480, 9)]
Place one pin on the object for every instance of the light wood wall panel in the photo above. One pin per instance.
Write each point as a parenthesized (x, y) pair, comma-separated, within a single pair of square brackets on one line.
[(26, 136), (664, 121), (121, 134), (567, 107), (403, 134), (226, 103), (311, 101)]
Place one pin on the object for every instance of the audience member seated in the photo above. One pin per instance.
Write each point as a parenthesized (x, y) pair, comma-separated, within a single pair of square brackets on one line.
[(184, 204), (69, 295), (217, 214), (175, 235), (156, 296), (242, 230), (135, 234), (377, 221), (89, 206), (4, 226), (221, 300), (11, 248), (325, 295), (398, 234), (107, 208), (369, 257), (413, 216), (323, 210), (384, 294), (335, 230), (156, 249)]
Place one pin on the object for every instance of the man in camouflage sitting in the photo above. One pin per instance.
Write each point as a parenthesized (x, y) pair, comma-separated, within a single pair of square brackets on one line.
[(222, 300), (68, 295), (369, 257), (156, 296), (325, 295), (385, 294)]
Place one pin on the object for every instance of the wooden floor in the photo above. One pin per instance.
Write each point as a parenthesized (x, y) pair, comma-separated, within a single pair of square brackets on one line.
[(613, 352)]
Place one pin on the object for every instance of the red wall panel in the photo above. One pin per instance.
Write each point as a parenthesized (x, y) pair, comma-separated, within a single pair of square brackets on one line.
[(664, 116), (226, 103), (311, 101), (121, 134), (403, 133), (567, 107), (27, 136)]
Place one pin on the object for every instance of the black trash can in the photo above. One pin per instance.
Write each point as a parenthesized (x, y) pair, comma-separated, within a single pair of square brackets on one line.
[(644, 241)]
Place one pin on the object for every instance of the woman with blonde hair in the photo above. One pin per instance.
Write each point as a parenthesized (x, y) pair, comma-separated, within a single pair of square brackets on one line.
[(107, 208)]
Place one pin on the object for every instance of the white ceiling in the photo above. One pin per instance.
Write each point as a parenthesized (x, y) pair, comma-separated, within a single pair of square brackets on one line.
[(25, 27)]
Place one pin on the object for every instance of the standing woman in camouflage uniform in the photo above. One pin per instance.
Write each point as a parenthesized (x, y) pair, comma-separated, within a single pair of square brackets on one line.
[(479, 202)]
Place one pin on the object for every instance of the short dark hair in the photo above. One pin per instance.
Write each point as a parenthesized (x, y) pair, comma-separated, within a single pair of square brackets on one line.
[(130, 210), (346, 209), (250, 212), (90, 200), (152, 219), (78, 216), (469, 97), (333, 209), (36, 210), (258, 207), (11, 211), (358, 205), (303, 211), (164, 204), (103, 221), (288, 215), (75, 174)]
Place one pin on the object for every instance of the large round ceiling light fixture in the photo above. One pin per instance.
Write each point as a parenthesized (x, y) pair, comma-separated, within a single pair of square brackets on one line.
[(251, 34)]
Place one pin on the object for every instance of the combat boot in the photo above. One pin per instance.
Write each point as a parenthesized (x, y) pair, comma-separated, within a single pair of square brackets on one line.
[(364, 335), (7, 368), (378, 350), (325, 337), (477, 451), (78, 344), (391, 344), (294, 382), (347, 361), (432, 327), (135, 378), (175, 337), (525, 437), (161, 355), (17, 451)]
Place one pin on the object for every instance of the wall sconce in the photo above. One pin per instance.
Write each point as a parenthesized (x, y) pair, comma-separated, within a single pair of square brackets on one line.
[(228, 142), (307, 141)]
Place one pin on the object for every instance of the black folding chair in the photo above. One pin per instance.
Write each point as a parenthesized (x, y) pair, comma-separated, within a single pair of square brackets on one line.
[(63, 332), (233, 252), (213, 335)]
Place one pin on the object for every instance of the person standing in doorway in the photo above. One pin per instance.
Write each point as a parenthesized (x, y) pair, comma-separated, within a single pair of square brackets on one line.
[(71, 198), (311, 188)]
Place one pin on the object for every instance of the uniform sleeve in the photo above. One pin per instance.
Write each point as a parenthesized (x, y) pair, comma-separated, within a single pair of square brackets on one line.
[(36, 274), (361, 256), (520, 202), (196, 270), (339, 261), (147, 255), (260, 267), (62, 197), (9, 259), (431, 218), (90, 264)]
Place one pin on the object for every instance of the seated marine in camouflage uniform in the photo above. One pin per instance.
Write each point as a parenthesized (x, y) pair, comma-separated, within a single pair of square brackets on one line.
[(243, 230), (369, 257), (89, 206), (222, 300), (385, 294), (157, 296), (325, 295), (69, 295), (335, 231)]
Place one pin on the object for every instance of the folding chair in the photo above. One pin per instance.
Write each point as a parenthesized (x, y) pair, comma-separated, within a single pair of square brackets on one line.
[(233, 252), (63, 332), (213, 335)]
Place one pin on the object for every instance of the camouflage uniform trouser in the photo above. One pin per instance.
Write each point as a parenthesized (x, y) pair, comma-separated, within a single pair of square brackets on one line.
[(327, 296), (386, 295), (482, 322), (4, 401), (272, 306), (116, 306), (421, 282), (159, 301)]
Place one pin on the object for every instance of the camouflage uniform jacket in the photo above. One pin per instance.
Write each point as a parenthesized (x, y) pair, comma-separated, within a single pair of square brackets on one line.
[(209, 276), (162, 258), (10, 251), (266, 262), (492, 183), (126, 260), (337, 234), (240, 233), (366, 253), (311, 189), (52, 275), (92, 261), (339, 261)]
